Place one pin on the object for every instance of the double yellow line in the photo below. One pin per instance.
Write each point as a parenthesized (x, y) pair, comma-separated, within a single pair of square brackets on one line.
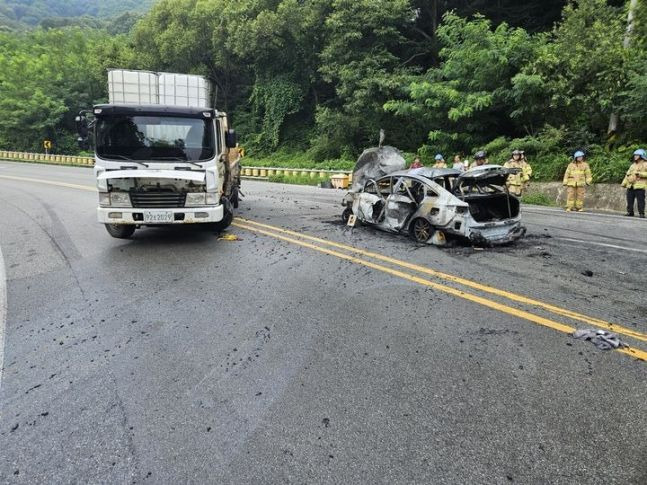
[(352, 254), (396, 267)]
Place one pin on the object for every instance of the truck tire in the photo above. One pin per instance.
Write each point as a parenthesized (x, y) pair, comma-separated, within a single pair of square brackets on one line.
[(120, 231), (227, 217)]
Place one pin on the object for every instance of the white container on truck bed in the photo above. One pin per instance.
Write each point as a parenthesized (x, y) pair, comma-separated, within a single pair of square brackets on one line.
[(162, 88), (133, 87), (183, 90)]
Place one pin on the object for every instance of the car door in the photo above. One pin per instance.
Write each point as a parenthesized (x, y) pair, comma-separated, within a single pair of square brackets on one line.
[(401, 204), (369, 205)]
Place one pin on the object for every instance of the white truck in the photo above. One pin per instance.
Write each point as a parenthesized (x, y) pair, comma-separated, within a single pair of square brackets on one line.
[(162, 154)]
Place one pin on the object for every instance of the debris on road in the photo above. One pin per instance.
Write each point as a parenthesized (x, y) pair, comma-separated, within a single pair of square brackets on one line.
[(229, 237), (587, 273), (602, 339)]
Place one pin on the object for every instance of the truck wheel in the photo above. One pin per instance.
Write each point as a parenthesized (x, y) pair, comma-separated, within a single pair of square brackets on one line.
[(421, 230), (120, 231), (227, 217)]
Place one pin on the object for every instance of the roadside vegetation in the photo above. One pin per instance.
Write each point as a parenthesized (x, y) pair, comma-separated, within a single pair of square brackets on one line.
[(310, 84)]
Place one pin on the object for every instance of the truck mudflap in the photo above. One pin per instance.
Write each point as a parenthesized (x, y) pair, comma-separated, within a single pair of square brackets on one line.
[(495, 238)]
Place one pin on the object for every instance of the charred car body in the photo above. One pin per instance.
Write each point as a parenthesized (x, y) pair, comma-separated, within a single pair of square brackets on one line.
[(430, 204)]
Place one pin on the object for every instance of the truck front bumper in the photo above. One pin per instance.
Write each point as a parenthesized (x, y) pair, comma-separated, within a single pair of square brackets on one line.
[(141, 216)]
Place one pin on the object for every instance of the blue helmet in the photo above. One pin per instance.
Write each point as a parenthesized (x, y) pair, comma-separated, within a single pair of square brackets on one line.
[(641, 153), (439, 157), (578, 154)]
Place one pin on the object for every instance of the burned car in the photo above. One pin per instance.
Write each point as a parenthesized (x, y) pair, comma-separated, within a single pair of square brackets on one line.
[(430, 204)]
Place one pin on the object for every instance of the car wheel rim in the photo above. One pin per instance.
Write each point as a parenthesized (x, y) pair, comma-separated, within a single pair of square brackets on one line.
[(421, 230)]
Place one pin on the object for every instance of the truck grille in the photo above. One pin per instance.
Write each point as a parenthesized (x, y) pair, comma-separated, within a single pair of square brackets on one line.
[(157, 200)]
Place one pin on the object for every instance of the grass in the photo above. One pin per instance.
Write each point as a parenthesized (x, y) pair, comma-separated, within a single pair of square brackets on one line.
[(538, 198)]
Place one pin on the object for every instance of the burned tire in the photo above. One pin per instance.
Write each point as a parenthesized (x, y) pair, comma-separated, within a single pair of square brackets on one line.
[(120, 231), (346, 215), (421, 230)]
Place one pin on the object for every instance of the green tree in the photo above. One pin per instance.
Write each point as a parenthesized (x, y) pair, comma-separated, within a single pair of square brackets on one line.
[(468, 97)]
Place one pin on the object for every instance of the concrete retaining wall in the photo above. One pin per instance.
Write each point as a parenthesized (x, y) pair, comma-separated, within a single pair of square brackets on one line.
[(605, 197)]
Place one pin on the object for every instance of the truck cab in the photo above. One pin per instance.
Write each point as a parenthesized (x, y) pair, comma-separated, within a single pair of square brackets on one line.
[(162, 164)]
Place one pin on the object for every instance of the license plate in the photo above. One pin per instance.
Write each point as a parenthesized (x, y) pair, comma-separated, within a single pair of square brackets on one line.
[(158, 217)]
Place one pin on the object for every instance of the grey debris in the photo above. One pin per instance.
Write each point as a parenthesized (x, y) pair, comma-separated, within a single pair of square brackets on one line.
[(602, 339)]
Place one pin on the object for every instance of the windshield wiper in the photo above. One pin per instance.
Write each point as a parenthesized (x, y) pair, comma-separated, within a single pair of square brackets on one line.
[(177, 159), (122, 157)]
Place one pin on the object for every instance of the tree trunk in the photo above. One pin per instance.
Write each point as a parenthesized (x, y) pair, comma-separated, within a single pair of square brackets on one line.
[(633, 4), (434, 17)]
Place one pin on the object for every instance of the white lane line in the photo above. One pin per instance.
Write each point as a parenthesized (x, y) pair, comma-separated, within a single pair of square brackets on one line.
[(593, 243), (3, 315)]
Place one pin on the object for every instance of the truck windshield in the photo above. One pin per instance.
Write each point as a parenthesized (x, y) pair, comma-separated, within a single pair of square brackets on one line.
[(162, 138)]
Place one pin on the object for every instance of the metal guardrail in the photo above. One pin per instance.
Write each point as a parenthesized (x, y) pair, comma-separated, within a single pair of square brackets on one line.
[(47, 158)]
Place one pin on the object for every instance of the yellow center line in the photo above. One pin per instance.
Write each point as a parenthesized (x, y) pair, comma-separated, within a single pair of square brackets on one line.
[(50, 182), (631, 351), (465, 282)]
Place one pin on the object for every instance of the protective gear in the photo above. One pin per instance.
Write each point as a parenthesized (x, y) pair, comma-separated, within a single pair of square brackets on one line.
[(516, 152), (440, 162), (636, 177), (480, 158), (515, 181), (577, 177), (636, 182), (641, 153), (578, 154)]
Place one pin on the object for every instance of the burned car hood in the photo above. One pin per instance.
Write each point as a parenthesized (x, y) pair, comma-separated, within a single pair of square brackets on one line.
[(193, 175), (376, 162), (487, 174)]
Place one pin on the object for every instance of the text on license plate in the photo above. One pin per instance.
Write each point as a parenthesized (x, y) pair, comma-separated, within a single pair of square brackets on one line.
[(158, 217)]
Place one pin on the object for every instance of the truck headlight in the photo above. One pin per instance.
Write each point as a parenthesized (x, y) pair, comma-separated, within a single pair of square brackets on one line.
[(195, 199), (120, 199)]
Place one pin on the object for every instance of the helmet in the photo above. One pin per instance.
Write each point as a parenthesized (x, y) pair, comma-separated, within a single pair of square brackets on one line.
[(480, 154), (517, 152), (578, 154), (439, 157), (641, 153)]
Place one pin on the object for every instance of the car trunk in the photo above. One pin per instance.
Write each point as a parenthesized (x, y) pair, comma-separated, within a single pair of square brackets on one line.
[(483, 188), (492, 207)]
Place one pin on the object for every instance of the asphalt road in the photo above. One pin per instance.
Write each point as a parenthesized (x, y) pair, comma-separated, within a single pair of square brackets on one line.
[(308, 352)]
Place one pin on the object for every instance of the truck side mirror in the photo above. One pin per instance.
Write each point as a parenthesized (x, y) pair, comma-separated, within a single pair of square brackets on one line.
[(230, 139), (82, 127)]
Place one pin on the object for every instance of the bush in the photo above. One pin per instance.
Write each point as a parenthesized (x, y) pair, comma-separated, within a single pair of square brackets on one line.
[(297, 180), (288, 159)]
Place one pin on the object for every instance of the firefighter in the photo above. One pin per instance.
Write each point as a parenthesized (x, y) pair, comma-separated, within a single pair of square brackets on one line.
[(576, 178), (515, 181), (527, 170), (416, 163), (480, 158), (636, 182), (440, 162)]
